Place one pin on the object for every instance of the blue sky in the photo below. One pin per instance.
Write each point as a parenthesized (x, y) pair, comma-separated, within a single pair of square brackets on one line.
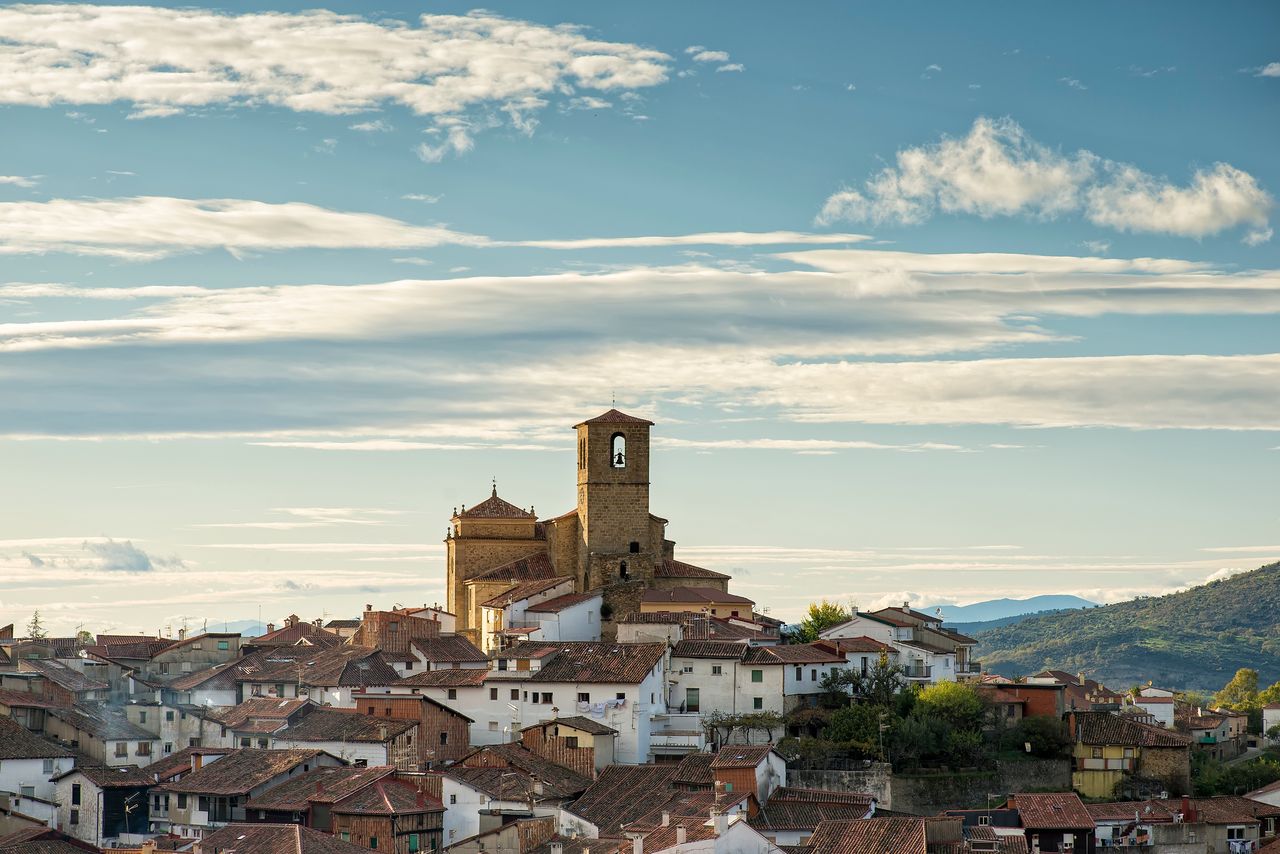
[(931, 302)]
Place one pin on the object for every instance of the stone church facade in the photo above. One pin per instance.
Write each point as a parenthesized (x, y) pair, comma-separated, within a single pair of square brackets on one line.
[(610, 542)]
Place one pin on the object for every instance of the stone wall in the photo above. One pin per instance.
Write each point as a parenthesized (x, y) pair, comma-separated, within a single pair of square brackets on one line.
[(872, 778)]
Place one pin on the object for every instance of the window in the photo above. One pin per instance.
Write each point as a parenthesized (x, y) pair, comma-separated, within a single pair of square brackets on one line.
[(502, 664), (799, 673), (223, 646), (688, 668), (1128, 753), (984, 820), (345, 835), (635, 547), (386, 712), (618, 451), (142, 717), (408, 665), (202, 803), (622, 570), (279, 689), (493, 726), (262, 744), (535, 697), (144, 748), (728, 787), (168, 747), (493, 693), (47, 766), (515, 693), (813, 675), (716, 670), (75, 794), (546, 697), (453, 799), (168, 715), (27, 791), (393, 626), (584, 698), (245, 742), (733, 613), (75, 816), (122, 748), (757, 702), (693, 700), (757, 675), (570, 741), (373, 843), (1097, 753), (444, 738), (413, 843), (621, 696), (1235, 832), (182, 802), (186, 667), (453, 693)]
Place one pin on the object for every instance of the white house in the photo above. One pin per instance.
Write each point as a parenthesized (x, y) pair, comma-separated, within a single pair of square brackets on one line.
[(28, 765), (572, 617), (102, 805), (925, 658), (782, 678), (1160, 708), (506, 611)]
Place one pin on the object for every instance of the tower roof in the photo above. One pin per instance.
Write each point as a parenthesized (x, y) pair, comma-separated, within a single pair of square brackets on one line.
[(613, 416), (494, 507)]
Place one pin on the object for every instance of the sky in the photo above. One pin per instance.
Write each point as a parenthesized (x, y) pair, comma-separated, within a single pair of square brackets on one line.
[(929, 302)]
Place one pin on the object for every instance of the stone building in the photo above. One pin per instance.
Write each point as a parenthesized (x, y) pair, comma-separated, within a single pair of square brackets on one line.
[(610, 542)]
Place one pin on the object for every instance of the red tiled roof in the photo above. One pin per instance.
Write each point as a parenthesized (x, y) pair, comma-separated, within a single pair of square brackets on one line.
[(1152, 811), (347, 726), (791, 654), (25, 699), (709, 649), (693, 596), (1052, 811), (525, 589), (388, 796), (527, 568), (820, 796), (870, 836), (320, 785), (613, 416), (451, 678), (741, 756), (1104, 728), (494, 507), (240, 771), (624, 793), (275, 839), (1224, 809), (560, 603), (175, 764), (272, 708), (598, 662), (449, 648), (801, 815), (695, 770), (680, 569), (17, 742), (61, 675), (861, 643)]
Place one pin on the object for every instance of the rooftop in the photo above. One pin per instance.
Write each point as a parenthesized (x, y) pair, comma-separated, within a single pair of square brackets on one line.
[(17, 742), (452, 678), (323, 785), (791, 654), (448, 648), (870, 836), (1104, 728), (741, 756), (494, 507), (693, 596), (325, 724), (239, 772), (1052, 811), (680, 569), (560, 603), (585, 661), (613, 416), (108, 723), (578, 722), (388, 796), (525, 589), (623, 793), (275, 839), (527, 568)]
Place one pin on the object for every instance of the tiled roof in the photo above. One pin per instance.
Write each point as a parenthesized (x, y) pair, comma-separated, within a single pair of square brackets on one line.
[(557, 781), (928, 647), (741, 756), (290, 635), (274, 839), (695, 770), (494, 507), (452, 678), (861, 643), (342, 624), (271, 708), (890, 616), (913, 614), (128, 648), (326, 724), (599, 662), (527, 568), (216, 676), (1152, 811), (17, 742), (803, 815), (870, 836), (121, 776), (523, 590), (323, 785), (577, 845), (388, 796), (692, 596), (239, 772), (695, 830), (108, 723), (578, 722), (791, 654), (175, 764), (449, 648), (708, 649), (41, 840), (623, 793), (680, 569), (560, 603), (501, 783), (613, 416), (1104, 728), (1052, 811), (964, 640), (1000, 696), (820, 796), (345, 666), (25, 699), (1224, 809), (61, 675)]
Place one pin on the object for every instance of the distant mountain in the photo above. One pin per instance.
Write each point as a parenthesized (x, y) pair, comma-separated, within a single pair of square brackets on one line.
[(984, 625), (247, 628), (999, 609), (1196, 639)]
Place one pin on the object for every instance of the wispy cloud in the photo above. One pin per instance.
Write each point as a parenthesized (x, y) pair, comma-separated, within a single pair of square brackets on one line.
[(1271, 69), (18, 180), (997, 169)]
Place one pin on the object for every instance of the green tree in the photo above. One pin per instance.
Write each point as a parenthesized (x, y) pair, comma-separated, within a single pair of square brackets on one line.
[(1046, 735), (857, 724), (1241, 693), (821, 616), (35, 629), (1269, 695), (84, 638), (954, 703)]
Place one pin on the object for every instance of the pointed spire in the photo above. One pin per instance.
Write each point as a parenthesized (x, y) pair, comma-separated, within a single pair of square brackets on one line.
[(495, 488)]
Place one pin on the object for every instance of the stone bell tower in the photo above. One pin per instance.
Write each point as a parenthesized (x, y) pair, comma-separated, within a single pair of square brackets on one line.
[(618, 539)]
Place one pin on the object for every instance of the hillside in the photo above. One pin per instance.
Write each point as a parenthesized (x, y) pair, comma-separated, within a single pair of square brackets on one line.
[(1196, 639), (1000, 609), (984, 625)]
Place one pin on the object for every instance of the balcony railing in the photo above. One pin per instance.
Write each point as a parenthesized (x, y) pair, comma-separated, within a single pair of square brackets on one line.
[(1091, 763), (920, 672), (969, 667)]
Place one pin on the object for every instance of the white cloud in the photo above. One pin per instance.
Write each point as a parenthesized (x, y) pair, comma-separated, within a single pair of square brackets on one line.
[(997, 169), (114, 556), (17, 180), (803, 445), (711, 56), (426, 198), (1098, 247), (1072, 83), (707, 238), (732, 66), (1258, 236), (587, 102), (169, 61), (1271, 69), (374, 126)]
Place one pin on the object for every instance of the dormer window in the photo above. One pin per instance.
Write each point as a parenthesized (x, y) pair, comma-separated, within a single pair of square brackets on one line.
[(618, 451)]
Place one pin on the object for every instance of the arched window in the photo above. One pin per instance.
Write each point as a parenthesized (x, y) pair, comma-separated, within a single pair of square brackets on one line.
[(622, 570), (618, 451)]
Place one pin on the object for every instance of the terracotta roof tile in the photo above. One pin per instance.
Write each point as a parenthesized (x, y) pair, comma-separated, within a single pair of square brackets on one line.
[(449, 648), (1104, 728), (791, 654), (388, 796), (61, 675), (240, 771), (801, 815), (585, 661), (862, 643), (347, 726), (680, 569), (623, 793), (274, 839), (1052, 811), (452, 678), (527, 568), (820, 796), (494, 507), (613, 416), (320, 785), (741, 756), (121, 776), (523, 590), (692, 596), (105, 722), (578, 722), (1225, 809), (556, 781), (560, 603), (695, 770), (17, 742), (870, 836), (709, 649)]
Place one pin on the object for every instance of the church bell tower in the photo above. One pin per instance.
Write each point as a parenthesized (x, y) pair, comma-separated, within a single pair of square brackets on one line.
[(615, 527)]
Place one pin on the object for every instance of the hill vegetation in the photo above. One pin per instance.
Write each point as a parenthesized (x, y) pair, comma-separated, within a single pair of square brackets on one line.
[(1196, 639), (1000, 609)]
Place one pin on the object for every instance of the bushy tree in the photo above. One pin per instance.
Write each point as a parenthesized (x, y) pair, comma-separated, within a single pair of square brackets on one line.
[(1046, 735), (955, 703), (820, 617), (1241, 693), (858, 724), (882, 685)]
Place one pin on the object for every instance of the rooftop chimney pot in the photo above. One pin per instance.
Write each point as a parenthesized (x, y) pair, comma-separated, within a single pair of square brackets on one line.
[(682, 835)]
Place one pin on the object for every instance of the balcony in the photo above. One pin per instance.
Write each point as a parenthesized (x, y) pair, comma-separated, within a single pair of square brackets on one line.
[(1090, 763), (1207, 739), (970, 668), (921, 672), (677, 742)]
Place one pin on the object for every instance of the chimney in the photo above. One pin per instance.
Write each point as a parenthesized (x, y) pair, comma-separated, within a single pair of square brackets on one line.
[(382, 733), (557, 848), (720, 821), (422, 801), (182, 634), (271, 627), (682, 835), (906, 605), (637, 845), (666, 819), (368, 608)]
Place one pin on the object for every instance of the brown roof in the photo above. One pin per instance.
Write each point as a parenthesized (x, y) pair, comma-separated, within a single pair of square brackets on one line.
[(584, 661), (270, 708), (805, 815), (25, 699), (741, 756), (695, 770), (1052, 811), (557, 781), (558, 604), (912, 614), (680, 569), (870, 836), (1224, 809), (61, 675), (1152, 811), (1104, 728), (578, 722), (527, 568), (451, 678), (613, 416), (239, 772), (709, 649), (326, 724), (494, 507), (18, 742), (41, 840), (120, 776), (624, 793), (861, 643), (449, 648), (274, 839), (323, 785), (791, 654), (345, 666), (820, 796), (523, 590), (290, 635), (108, 723), (128, 647), (388, 796), (175, 764), (692, 596)]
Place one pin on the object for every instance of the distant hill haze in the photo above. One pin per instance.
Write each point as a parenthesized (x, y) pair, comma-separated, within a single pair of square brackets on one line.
[(999, 609), (1196, 639)]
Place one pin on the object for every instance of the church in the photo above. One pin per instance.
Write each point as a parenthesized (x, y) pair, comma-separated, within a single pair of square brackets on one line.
[(610, 543)]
